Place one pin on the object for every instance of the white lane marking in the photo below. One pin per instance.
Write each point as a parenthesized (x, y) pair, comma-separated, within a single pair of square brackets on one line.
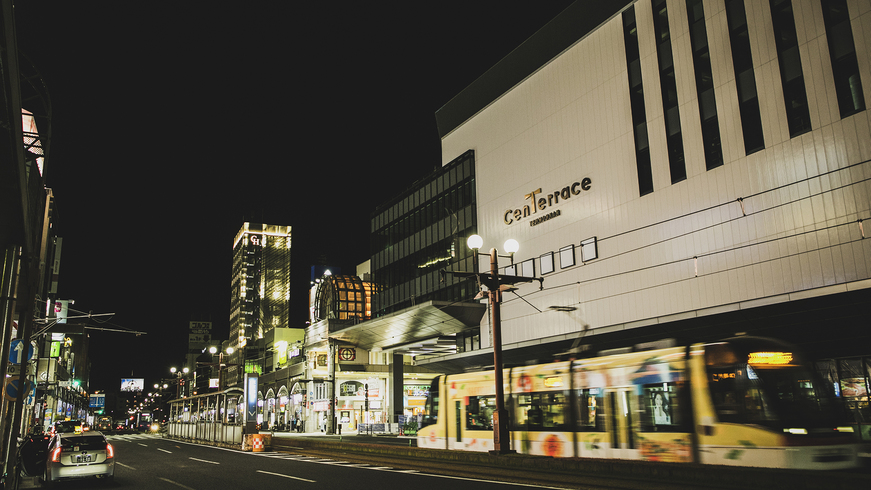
[(176, 483), (143, 445), (126, 466), (285, 476), (204, 461), (164, 450)]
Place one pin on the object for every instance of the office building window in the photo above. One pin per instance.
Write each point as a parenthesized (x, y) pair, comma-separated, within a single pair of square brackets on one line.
[(745, 77), (842, 50), (668, 84), (705, 85), (791, 75), (636, 102)]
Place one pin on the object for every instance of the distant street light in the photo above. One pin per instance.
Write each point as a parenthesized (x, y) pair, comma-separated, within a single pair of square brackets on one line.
[(179, 375)]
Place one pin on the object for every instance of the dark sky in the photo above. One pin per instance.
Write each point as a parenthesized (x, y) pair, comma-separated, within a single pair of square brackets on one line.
[(174, 122)]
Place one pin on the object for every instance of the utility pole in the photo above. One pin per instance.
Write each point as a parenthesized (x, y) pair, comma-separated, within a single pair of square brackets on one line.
[(495, 284)]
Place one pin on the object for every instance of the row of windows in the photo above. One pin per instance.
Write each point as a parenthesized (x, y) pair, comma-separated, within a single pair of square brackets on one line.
[(656, 409), (458, 170), (419, 236), (401, 297), (448, 206), (844, 66)]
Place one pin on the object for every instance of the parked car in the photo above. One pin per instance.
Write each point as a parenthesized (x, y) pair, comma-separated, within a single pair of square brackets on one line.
[(73, 455)]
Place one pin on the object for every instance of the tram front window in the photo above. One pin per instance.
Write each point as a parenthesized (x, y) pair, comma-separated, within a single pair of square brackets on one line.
[(431, 407), (758, 381)]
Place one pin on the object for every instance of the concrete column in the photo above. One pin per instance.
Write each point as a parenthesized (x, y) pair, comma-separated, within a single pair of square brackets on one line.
[(397, 387)]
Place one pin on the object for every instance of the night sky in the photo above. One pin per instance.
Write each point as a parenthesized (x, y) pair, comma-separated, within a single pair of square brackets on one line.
[(174, 122)]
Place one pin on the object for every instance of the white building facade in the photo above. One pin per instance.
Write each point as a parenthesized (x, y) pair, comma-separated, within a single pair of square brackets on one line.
[(756, 243)]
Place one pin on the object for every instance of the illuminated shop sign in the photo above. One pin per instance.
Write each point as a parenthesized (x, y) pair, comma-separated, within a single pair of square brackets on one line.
[(541, 202), (347, 354), (773, 358)]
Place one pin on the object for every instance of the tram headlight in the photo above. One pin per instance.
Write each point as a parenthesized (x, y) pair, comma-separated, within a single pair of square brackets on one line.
[(795, 431)]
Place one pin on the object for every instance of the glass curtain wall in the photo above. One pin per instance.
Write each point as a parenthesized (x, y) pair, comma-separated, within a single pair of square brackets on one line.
[(422, 232)]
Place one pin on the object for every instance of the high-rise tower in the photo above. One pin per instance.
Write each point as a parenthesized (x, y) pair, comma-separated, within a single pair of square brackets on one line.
[(259, 293)]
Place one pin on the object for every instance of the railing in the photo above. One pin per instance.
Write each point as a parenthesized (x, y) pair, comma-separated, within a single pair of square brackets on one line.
[(211, 418)]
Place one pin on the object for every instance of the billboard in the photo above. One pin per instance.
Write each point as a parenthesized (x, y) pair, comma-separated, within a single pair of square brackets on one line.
[(201, 327), (132, 384), (61, 310)]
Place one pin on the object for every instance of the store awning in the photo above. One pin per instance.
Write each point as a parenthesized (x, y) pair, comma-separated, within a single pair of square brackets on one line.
[(424, 322)]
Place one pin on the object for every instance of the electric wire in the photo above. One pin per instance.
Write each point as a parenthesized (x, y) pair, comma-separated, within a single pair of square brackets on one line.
[(711, 253)]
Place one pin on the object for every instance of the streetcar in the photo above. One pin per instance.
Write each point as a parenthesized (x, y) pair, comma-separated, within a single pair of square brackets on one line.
[(744, 401), (104, 424), (142, 422)]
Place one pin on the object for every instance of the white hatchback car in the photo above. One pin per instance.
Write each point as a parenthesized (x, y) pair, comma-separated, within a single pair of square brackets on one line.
[(79, 455)]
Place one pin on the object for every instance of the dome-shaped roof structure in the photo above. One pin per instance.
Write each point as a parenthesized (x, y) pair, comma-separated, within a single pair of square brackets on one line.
[(343, 298)]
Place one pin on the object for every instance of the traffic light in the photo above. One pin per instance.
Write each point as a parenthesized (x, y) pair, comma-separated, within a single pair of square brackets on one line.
[(76, 383)]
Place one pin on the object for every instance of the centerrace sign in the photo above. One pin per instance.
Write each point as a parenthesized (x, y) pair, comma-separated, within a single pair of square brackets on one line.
[(540, 202)]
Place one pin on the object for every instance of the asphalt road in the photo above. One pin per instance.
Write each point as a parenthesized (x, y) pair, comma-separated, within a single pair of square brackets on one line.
[(145, 462)]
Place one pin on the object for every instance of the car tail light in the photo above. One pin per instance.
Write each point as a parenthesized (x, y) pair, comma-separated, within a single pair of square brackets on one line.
[(55, 454), (110, 451)]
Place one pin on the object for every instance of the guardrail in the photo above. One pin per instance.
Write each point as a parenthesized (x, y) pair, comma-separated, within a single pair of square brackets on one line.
[(209, 418)]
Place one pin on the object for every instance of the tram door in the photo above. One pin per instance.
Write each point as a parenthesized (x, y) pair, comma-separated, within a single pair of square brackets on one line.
[(459, 411), (621, 408)]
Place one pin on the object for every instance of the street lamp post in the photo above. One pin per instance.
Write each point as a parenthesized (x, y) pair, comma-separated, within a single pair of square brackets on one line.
[(214, 350), (494, 282), (178, 375)]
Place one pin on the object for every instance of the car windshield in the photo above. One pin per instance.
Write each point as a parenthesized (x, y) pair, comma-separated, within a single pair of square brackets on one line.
[(83, 442)]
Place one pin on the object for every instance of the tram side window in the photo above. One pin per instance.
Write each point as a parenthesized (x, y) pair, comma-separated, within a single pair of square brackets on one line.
[(541, 411), (591, 408), (479, 412), (661, 407)]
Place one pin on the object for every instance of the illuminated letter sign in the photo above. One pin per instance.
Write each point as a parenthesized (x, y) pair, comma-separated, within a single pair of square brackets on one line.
[(540, 202)]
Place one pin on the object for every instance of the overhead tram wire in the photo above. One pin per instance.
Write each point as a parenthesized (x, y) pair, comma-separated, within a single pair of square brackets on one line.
[(708, 254), (695, 276), (740, 199), (722, 223), (90, 316)]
